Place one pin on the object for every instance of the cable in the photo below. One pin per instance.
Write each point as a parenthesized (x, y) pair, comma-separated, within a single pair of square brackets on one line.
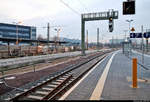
[(40, 27), (73, 9), (70, 7), (83, 5)]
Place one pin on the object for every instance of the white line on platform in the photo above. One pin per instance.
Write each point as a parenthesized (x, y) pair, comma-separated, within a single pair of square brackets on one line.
[(96, 95), (69, 91)]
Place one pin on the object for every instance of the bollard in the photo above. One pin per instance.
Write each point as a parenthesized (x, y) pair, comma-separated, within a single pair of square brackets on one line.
[(134, 73)]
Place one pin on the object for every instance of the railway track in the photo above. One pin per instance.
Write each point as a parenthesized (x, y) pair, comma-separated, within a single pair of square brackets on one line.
[(46, 89), (54, 87)]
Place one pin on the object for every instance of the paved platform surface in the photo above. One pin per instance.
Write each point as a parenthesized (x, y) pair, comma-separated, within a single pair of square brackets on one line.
[(117, 83)]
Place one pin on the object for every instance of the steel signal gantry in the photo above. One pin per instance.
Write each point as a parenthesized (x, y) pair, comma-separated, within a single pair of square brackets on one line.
[(109, 15)]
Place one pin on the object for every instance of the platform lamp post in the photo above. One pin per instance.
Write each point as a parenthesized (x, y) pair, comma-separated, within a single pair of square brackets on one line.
[(103, 44), (125, 35), (129, 21), (57, 30)]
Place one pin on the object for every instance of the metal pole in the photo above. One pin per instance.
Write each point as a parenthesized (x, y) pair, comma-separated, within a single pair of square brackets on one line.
[(58, 35), (31, 33), (48, 36), (82, 36), (146, 42), (129, 27), (125, 34), (142, 47), (129, 35), (112, 42), (142, 52), (16, 34), (48, 32), (102, 41), (97, 38), (8, 48), (87, 38)]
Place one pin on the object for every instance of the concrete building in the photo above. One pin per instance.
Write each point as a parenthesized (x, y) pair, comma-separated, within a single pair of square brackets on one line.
[(17, 31), (116, 41)]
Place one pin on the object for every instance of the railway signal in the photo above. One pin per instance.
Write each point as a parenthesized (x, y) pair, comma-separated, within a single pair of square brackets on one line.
[(111, 24), (129, 7)]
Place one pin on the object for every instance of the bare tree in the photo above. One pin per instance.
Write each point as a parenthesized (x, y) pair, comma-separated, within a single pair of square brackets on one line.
[(40, 37), (55, 38)]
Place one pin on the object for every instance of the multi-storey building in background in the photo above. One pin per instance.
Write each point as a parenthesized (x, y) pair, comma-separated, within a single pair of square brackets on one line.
[(17, 31), (116, 41)]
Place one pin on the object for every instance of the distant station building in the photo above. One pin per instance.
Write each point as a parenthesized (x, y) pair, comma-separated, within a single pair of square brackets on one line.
[(116, 41), (126, 47), (14, 31)]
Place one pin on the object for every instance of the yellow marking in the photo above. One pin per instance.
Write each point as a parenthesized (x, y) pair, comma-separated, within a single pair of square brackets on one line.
[(96, 95)]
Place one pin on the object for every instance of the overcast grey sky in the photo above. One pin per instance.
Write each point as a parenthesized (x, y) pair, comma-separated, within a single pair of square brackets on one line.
[(39, 12)]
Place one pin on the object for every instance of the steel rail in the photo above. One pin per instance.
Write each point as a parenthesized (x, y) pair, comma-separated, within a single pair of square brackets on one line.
[(67, 87), (61, 74)]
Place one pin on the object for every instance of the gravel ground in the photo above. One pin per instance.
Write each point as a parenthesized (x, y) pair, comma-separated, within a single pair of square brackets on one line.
[(29, 79), (37, 66)]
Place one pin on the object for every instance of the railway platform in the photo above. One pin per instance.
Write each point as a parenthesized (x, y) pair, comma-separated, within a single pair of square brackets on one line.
[(111, 79)]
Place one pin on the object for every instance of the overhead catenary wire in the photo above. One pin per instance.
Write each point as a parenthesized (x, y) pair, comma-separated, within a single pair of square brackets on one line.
[(83, 5), (70, 7), (40, 27), (86, 10)]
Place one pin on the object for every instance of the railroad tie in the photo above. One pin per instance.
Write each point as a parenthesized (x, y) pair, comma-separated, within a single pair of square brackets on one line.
[(47, 88), (50, 85), (56, 83), (59, 80), (62, 78), (35, 97), (42, 92)]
